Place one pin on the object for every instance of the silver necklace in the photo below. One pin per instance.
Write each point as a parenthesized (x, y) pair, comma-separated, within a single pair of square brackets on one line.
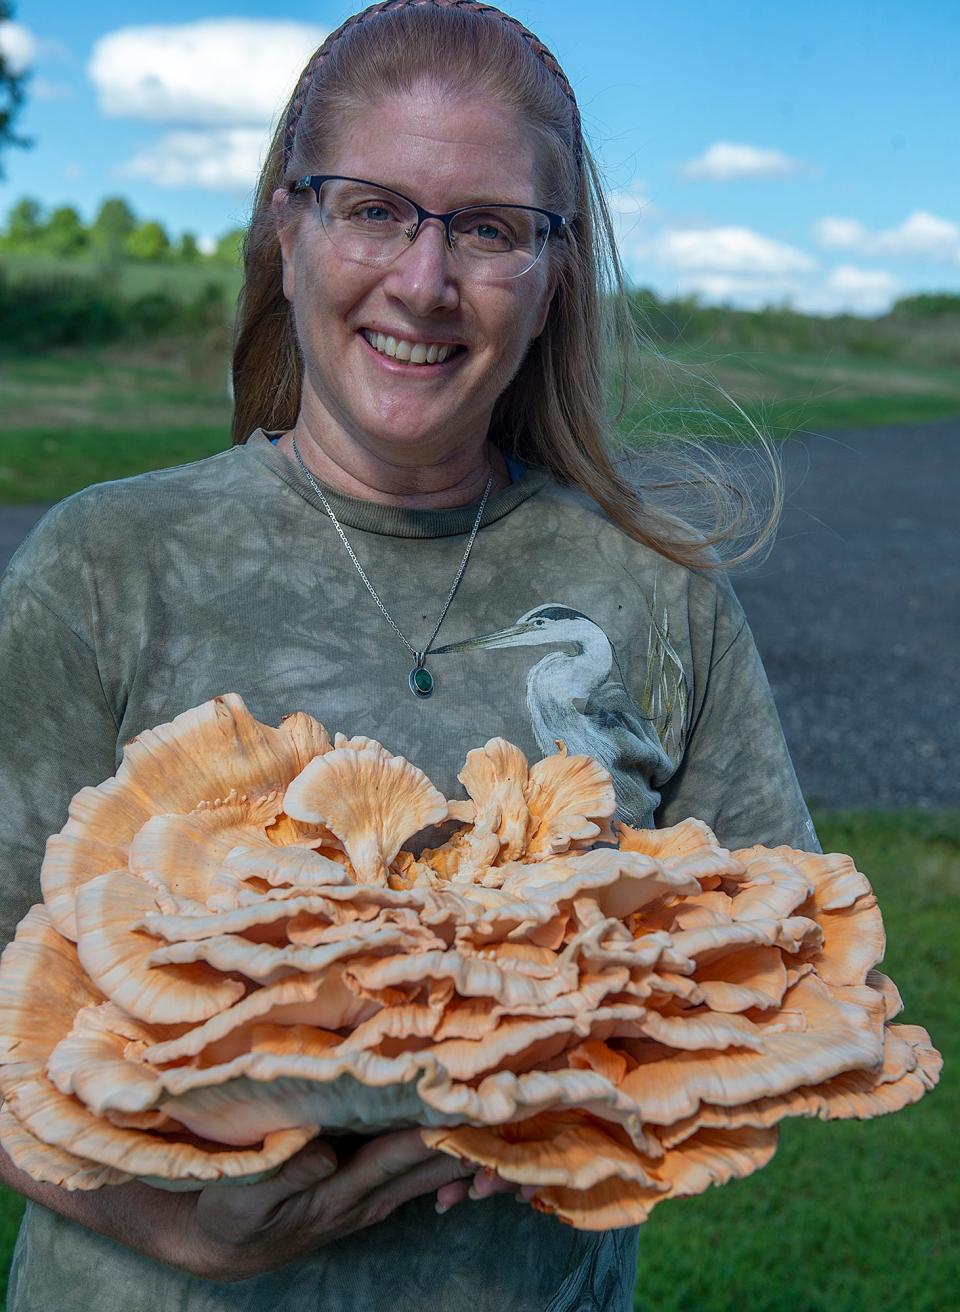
[(420, 679)]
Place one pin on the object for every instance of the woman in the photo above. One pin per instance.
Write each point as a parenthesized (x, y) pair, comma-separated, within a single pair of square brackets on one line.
[(419, 442)]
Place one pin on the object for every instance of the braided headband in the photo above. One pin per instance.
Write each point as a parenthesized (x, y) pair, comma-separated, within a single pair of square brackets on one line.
[(475, 6)]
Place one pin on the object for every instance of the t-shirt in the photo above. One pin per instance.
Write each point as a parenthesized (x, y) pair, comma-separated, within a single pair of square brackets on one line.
[(134, 600)]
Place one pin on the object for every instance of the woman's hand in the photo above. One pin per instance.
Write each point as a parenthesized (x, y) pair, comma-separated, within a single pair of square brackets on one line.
[(231, 1232), (485, 1183), (236, 1231)]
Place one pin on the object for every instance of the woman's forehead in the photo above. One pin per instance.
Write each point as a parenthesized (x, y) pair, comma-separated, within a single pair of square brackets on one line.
[(443, 150)]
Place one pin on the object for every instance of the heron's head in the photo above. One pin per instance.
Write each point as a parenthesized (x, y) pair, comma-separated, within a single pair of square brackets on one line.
[(544, 625)]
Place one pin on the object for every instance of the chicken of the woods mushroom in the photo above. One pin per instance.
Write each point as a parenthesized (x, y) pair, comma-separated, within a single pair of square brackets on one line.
[(235, 952)]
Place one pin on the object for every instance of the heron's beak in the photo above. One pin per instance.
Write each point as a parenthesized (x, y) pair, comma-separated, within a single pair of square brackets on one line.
[(502, 638)]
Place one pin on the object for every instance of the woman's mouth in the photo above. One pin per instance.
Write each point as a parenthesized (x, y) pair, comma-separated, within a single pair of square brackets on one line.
[(411, 352)]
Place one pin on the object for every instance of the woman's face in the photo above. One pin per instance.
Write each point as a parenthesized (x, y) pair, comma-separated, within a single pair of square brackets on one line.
[(442, 150)]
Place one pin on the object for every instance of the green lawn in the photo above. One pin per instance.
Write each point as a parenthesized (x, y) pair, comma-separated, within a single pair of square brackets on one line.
[(80, 416), (849, 1216), (785, 392)]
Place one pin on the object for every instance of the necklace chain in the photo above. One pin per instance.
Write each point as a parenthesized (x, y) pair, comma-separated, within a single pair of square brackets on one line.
[(419, 656)]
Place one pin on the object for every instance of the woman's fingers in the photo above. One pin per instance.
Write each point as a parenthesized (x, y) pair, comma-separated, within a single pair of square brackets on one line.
[(425, 1178), (484, 1184), (385, 1158), (314, 1162), (451, 1194)]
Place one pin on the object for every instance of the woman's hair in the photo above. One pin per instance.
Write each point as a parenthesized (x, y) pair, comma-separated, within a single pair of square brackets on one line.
[(556, 412)]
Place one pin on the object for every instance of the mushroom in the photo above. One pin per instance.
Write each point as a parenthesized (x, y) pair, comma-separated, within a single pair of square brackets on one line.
[(615, 1016)]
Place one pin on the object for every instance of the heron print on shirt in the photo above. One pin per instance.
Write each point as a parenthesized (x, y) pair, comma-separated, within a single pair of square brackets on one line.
[(576, 693)]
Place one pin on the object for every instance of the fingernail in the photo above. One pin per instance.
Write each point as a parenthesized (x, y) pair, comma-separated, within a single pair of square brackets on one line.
[(472, 1193), (440, 1208)]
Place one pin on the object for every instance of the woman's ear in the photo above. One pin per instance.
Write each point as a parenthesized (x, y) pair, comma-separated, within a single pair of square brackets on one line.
[(547, 302), (286, 235)]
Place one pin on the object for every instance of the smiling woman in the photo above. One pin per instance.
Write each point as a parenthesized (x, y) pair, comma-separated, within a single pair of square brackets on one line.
[(371, 418), (420, 443)]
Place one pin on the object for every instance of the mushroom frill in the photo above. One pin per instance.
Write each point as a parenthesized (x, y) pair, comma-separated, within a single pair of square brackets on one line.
[(235, 953)]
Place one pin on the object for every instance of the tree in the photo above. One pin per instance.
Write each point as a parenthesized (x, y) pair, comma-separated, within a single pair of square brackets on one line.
[(229, 247), (114, 223), (11, 92), (148, 241), (65, 233), (26, 224), (189, 251), (927, 305)]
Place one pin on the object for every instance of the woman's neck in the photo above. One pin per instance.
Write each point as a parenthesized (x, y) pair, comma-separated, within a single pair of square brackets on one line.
[(455, 478)]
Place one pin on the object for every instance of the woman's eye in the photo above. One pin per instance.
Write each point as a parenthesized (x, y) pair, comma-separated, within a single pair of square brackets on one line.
[(374, 214), (489, 231)]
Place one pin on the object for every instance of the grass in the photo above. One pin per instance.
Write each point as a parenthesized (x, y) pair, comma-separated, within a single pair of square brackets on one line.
[(73, 418), (132, 277), (849, 1215), (79, 416), (787, 391)]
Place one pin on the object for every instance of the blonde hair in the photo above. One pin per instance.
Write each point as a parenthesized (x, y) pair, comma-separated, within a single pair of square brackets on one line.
[(553, 414)]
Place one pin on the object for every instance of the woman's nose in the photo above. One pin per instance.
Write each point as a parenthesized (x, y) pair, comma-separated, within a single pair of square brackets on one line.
[(424, 275)]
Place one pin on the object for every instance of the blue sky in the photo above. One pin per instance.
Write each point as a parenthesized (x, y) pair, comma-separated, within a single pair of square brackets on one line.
[(755, 152)]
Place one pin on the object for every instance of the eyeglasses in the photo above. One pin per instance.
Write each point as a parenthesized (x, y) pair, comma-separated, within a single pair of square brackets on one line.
[(370, 224)]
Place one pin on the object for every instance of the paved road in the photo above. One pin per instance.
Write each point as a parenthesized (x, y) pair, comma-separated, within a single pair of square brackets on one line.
[(855, 612)]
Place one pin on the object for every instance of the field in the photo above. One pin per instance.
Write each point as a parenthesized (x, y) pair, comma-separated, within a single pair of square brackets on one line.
[(849, 1215), (79, 416), (72, 416)]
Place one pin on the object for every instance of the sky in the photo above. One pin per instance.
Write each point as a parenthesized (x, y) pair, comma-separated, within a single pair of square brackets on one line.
[(803, 152)]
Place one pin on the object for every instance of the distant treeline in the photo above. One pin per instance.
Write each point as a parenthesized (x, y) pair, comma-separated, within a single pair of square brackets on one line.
[(52, 310), (64, 284), (75, 307), (924, 327), (116, 233)]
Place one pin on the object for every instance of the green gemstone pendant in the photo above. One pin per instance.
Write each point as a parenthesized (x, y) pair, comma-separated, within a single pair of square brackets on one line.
[(421, 681)]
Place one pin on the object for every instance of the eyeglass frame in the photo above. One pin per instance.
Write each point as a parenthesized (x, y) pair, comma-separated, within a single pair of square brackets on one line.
[(314, 181)]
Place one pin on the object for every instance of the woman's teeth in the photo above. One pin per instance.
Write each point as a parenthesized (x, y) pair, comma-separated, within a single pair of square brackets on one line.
[(412, 352)]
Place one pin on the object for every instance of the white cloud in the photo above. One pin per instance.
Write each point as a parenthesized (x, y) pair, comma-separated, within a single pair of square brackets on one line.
[(921, 235), (847, 279), (848, 289), (217, 159), (19, 46), (839, 234), (206, 245), (728, 250), (227, 72), (728, 161)]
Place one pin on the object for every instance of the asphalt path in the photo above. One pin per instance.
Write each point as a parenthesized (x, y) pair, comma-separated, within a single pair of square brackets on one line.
[(855, 612)]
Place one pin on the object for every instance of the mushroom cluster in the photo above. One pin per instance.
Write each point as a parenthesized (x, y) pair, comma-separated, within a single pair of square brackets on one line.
[(235, 953)]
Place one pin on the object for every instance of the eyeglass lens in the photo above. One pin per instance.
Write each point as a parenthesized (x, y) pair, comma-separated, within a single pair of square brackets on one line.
[(372, 226)]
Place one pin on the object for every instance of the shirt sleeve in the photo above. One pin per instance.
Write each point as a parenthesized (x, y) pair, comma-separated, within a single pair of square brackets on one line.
[(57, 731), (736, 773)]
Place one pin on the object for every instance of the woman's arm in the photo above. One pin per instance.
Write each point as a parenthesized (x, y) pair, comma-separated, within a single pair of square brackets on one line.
[(736, 773), (57, 733), (231, 1232)]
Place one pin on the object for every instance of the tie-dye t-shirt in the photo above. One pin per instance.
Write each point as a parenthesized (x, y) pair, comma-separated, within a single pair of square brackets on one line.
[(135, 600)]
